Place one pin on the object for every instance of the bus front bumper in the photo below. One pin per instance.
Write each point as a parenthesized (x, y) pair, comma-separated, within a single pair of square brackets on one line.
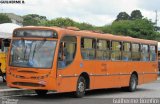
[(32, 84)]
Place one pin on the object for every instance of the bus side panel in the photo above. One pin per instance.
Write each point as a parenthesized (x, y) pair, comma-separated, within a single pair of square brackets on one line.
[(140, 68), (68, 76), (149, 78), (106, 74), (125, 70), (66, 84), (103, 74), (140, 78), (149, 71), (125, 80), (97, 72), (114, 69)]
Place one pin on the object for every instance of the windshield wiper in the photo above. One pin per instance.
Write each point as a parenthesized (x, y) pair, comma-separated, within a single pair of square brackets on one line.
[(25, 49), (37, 47), (40, 44), (34, 51)]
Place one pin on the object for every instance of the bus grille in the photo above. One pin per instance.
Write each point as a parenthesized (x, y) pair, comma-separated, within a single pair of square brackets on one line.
[(28, 84)]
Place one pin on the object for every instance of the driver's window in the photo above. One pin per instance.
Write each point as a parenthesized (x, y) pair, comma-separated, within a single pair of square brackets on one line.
[(67, 51)]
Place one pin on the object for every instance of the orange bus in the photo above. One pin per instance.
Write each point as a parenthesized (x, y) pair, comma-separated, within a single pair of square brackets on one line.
[(73, 60)]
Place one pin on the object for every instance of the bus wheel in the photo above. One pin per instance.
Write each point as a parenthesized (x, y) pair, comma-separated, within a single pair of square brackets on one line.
[(81, 87), (133, 83), (41, 92), (4, 77)]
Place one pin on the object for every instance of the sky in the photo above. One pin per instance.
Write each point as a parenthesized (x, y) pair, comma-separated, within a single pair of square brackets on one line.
[(95, 12)]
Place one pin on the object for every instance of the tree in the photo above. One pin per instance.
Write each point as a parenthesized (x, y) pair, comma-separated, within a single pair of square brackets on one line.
[(38, 17), (85, 26), (27, 20), (4, 19), (33, 19), (61, 22), (122, 16), (139, 28), (136, 14), (66, 22)]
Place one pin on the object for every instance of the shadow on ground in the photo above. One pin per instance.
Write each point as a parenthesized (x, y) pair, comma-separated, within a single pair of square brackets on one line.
[(58, 96)]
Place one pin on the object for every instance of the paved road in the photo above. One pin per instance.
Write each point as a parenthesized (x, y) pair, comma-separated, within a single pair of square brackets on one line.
[(2, 84), (151, 90)]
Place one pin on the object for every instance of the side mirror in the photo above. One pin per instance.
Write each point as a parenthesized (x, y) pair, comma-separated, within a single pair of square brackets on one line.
[(6, 42)]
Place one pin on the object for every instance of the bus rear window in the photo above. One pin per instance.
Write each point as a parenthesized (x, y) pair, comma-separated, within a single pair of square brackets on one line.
[(35, 33)]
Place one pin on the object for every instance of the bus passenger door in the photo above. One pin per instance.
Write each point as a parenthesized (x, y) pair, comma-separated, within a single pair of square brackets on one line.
[(66, 66)]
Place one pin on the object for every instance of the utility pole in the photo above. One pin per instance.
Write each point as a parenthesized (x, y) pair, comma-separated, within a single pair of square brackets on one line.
[(156, 20)]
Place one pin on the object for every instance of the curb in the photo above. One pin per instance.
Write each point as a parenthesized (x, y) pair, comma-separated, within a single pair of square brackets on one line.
[(14, 91)]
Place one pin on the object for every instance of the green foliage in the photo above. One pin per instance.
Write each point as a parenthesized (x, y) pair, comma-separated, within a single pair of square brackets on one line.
[(34, 19), (85, 26), (134, 25), (139, 28), (122, 16), (27, 21), (66, 22), (4, 19), (60, 22), (136, 14), (157, 36), (38, 17)]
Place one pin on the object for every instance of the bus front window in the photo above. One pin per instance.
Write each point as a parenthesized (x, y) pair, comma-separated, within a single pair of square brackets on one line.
[(32, 53)]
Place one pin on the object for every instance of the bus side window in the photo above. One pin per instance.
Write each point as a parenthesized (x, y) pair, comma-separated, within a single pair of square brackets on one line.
[(116, 50), (102, 52), (126, 53), (88, 48), (153, 53), (136, 55), (144, 52), (67, 51)]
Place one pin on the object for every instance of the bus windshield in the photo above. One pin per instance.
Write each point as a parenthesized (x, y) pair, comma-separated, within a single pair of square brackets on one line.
[(32, 53)]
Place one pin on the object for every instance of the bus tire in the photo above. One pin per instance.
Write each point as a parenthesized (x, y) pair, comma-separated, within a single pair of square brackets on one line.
[(81, 87), (41, 92), (133, 83)]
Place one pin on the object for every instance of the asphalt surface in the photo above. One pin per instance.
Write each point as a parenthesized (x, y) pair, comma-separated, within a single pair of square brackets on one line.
[(103, 96), (2, 84)]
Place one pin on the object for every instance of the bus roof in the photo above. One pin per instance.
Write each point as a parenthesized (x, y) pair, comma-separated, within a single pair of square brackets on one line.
[(87, 33)]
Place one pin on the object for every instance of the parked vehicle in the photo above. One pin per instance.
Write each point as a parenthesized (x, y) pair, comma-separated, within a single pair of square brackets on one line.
[(4, 46)]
